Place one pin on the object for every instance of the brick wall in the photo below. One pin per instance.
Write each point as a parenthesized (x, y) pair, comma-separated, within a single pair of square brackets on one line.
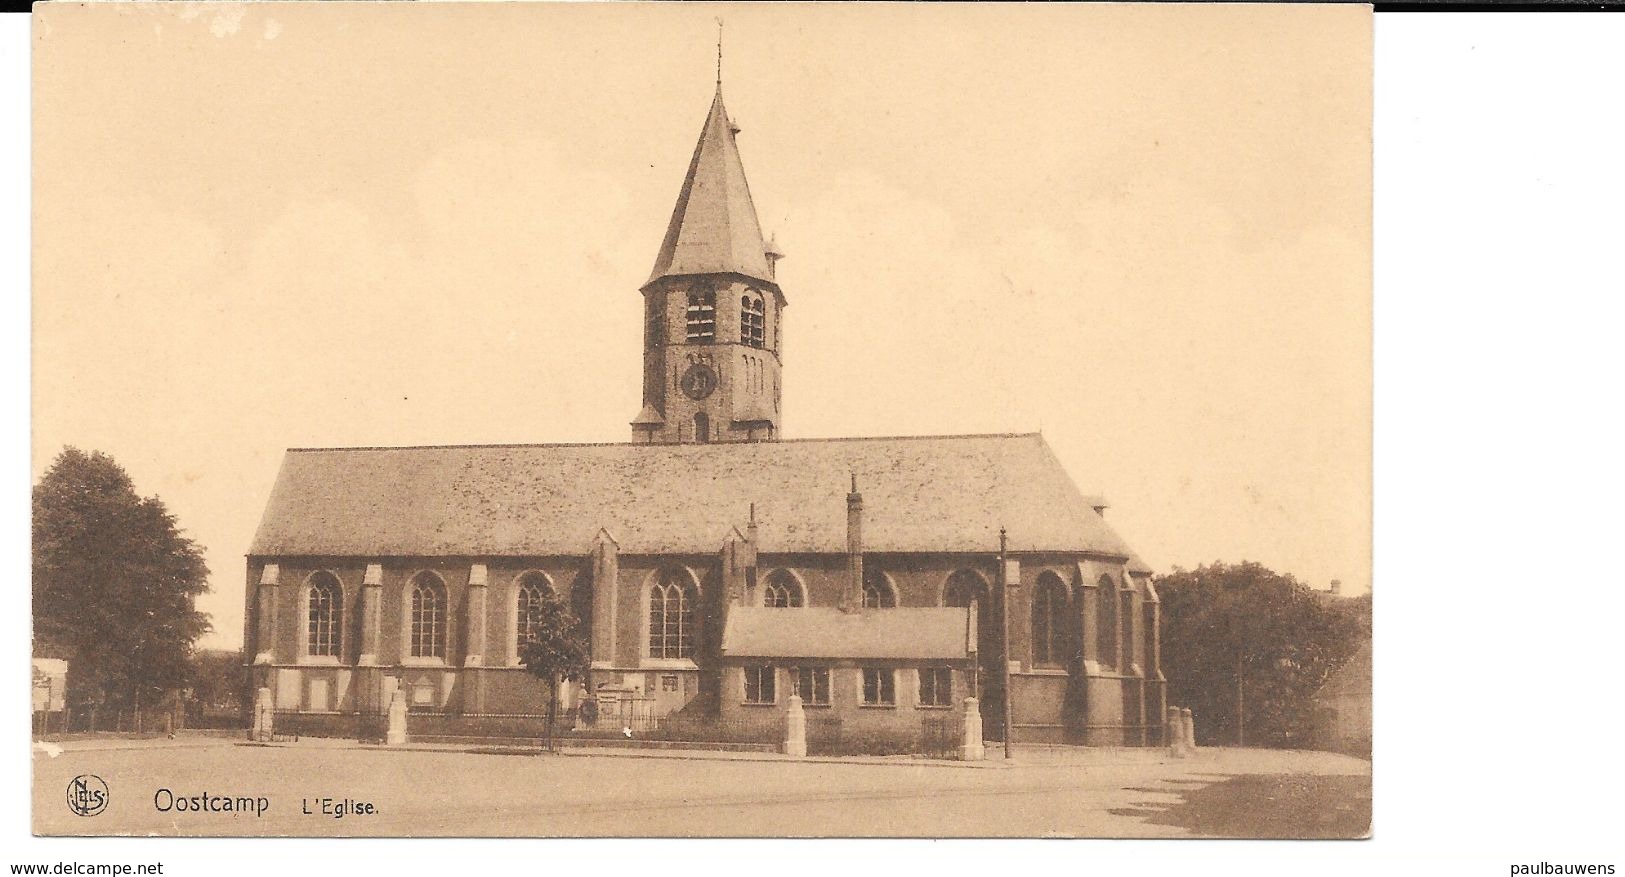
[(1056, 696)]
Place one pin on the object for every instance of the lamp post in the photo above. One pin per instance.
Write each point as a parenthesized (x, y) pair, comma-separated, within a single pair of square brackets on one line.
[(1004, 638), (1235, 589)]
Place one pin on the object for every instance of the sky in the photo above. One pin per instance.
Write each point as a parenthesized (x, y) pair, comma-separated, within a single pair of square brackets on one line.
[(1141, 230)]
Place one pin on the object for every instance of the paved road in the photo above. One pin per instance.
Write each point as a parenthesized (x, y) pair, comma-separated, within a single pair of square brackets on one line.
[(450, 793)]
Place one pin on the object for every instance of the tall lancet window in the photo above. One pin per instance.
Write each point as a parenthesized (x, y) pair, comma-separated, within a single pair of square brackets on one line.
[(702, 316), (533, 589), (324, 616), (753, 320), (1106, 621), (428, 617), (1125, 617), (1049, 621), (671, 616)]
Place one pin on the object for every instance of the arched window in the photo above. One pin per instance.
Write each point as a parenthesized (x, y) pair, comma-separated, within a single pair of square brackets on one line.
[(428, 617), (964, 588), (753, 320), (1106, 621), (701, 317), (1049, 621), (702, 427), (533, 589), (877, 591), (324, 615), (1125, 617), (782, 591), (671, 616)]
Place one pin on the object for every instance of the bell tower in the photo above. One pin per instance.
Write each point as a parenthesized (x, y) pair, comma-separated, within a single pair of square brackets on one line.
[(713, 313)]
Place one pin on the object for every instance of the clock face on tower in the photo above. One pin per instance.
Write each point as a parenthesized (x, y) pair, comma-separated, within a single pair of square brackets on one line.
[(699, 381)]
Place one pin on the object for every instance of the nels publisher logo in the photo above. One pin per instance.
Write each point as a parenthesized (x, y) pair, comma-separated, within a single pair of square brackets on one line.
[(87, 795)]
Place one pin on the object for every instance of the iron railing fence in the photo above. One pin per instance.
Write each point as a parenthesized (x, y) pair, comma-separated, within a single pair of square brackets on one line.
[(942, 736), (935, 736), (102, 720), (367, 727), (766, 729), (434, 724), (571, 725)]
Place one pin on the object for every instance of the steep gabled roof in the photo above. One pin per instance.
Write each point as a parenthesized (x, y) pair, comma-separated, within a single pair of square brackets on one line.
[(920, 494), (898, 634), (1352, 678), (714, 229)]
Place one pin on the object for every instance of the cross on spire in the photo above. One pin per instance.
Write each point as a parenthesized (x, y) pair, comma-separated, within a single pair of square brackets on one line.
[(719, 53)]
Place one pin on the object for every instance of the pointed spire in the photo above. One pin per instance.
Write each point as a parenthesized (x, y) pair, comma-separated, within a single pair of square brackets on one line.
[(714, 229)]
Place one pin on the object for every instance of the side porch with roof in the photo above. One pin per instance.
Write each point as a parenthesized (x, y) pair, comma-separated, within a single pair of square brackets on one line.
[(893, 680)]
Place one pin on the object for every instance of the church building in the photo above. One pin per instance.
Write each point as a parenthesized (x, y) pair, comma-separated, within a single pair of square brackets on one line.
[(718, 566)]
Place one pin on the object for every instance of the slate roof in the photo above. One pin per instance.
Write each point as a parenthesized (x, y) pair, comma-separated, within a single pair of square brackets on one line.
[(899, 634), (921, 494), (714, 229)]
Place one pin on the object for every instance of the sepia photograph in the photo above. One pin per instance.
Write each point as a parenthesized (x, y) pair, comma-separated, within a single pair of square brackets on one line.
[(716, 420)]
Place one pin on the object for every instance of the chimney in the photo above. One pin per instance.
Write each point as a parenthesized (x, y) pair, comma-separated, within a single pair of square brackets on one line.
[(854, 548), (1337, 588)]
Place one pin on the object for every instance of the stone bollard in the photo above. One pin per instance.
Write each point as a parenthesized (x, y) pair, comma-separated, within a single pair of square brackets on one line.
[(1190, 727), (1174, 733), (396, 735), (264, 716), (972, 749), (795, 728)]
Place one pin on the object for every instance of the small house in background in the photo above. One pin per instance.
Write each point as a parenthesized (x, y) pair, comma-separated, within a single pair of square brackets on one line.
[(50, 695), (1343, 706), (50, 685)]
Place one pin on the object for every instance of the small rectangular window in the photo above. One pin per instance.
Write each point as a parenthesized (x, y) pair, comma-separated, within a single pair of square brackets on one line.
[(936, 686), (812, 683), (759, 684), (879, 686)]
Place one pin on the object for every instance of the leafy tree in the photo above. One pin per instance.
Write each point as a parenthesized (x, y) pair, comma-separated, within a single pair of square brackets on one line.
[(114, 584), (555, 653), (1229, 623), (217, 681)]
